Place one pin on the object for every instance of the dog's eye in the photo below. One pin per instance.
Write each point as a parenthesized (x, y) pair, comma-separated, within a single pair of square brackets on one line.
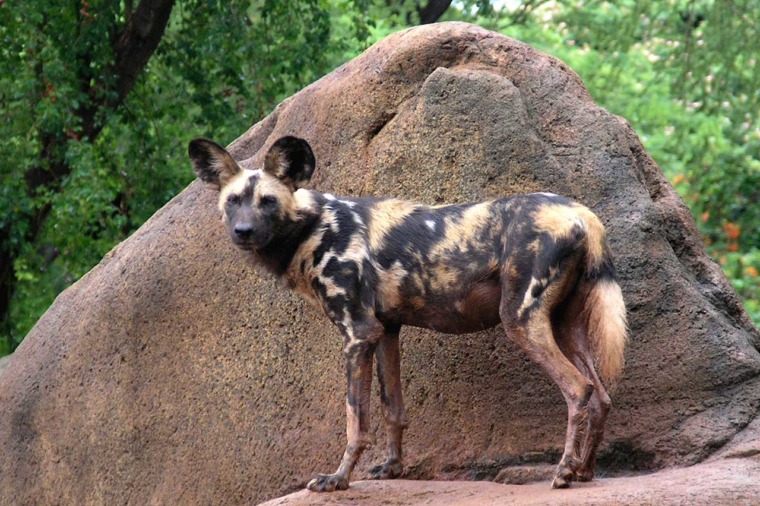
[(267, 201), (233, 200)]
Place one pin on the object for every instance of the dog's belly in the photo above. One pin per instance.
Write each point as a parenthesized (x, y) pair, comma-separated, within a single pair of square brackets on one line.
[(470, 310)]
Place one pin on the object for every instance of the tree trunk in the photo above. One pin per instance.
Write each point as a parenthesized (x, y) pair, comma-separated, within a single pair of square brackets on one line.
[(432, 11)]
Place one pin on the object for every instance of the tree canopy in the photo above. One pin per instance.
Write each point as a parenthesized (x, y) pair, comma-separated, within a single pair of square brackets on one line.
[(99, 98)]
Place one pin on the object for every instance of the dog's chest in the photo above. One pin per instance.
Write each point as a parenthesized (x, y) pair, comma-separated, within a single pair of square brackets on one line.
[(333, 262)]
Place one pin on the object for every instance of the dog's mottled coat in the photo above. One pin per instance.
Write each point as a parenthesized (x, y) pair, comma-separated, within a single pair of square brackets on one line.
[(538, 263)]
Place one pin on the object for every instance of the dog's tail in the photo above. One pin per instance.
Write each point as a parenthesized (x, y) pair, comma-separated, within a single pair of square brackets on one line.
[(604, 309)]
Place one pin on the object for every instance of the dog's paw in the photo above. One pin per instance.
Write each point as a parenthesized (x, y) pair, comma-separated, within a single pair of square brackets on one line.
[(328, 483), (584, 474), (565, 472), (387, 470)]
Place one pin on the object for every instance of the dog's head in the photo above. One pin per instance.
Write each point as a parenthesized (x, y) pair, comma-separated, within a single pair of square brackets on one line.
[(257, 205)]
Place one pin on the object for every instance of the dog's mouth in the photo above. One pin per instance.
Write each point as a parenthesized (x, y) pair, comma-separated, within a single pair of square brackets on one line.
[(245, 245), (250, 244)]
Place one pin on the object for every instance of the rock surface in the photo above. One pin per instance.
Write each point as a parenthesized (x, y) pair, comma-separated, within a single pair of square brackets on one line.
[(729, 481), (175, 373)]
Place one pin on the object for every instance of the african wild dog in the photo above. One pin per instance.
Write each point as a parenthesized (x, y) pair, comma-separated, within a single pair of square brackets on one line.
[(538, 263)]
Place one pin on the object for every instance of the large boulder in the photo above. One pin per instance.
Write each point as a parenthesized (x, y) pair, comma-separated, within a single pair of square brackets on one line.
[(174, 372)]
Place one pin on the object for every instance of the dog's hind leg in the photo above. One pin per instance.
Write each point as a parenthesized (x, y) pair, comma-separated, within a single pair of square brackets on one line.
[(573, 345), (360, 343), (527, 321), (392, 403), (599, 407), (569, 326)]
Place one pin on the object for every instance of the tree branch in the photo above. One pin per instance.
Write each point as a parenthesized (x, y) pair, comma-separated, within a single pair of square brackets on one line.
[(520, 15), (433, 10), (138, 41)]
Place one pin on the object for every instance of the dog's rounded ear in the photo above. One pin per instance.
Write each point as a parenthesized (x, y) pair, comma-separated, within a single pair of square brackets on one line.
[(212, 163), (290, 160)]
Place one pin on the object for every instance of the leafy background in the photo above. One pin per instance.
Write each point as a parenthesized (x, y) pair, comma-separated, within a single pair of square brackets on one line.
[(94, 133)]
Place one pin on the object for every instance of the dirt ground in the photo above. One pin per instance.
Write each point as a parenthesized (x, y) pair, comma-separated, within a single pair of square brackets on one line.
[(733, 481)]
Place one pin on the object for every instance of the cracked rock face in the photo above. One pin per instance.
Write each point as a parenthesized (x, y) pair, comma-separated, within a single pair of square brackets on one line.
[(175, 372)]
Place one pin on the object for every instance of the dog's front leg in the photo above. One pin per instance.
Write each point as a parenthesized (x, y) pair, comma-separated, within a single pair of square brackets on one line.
[(389, 375), (358, 350)]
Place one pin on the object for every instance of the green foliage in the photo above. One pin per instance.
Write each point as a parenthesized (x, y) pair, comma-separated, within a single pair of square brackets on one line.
[(682, 72), (220, 67), (742, 269), (699, 68)]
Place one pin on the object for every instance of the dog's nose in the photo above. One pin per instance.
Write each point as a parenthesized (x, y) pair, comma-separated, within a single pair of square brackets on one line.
[(243, 230)]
